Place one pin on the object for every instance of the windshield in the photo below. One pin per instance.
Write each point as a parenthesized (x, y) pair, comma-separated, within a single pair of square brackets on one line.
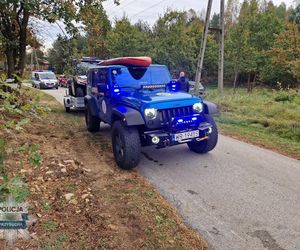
[(135, 77), (48, 75), (82, 68)]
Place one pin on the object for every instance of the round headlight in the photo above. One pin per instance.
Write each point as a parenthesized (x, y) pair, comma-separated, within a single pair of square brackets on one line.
[(150, 113), (198, 107)]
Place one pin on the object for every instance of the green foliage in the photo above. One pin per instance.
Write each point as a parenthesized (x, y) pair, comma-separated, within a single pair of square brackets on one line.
[(284, 97), (46, 205), (284, 59), (177, 37), (49, 225), (251, 37), (3, 170), (126, 39), (21, 123), (61, 55), (33, 150), (56, 244), (14, 187), (35, 159), (173, 45), (96, 25), (295, 16), (10, 187)]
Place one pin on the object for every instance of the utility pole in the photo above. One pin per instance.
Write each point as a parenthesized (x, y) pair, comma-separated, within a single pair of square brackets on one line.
[(221, 48), (31, 60), (37, 60), (202, 48)]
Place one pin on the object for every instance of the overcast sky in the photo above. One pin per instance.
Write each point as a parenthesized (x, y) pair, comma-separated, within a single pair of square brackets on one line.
[(144, 10)]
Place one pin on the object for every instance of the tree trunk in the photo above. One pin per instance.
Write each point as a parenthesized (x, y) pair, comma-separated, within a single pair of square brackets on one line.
[(249, 83), (10, 62), (254, 82), (235, 80), (23, 42)]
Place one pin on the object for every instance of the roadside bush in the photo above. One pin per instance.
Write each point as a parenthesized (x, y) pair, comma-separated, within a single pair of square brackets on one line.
[(11, 186), (284, 97)]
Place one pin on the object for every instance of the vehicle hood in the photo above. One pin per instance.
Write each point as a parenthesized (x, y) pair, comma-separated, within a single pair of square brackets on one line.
[(160, 99)]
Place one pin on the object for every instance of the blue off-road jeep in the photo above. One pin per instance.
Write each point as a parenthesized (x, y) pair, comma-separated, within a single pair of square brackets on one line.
[(144, 108)]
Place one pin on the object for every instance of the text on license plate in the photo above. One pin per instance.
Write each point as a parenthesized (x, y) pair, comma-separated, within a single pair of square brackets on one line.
[(186, 135)]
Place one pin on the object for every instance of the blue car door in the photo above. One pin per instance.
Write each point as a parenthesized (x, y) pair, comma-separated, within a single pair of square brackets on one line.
[(104, 95)]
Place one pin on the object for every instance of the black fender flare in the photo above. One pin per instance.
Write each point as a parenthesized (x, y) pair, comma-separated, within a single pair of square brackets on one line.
[(130, 116), (91, 104), (210, 108)]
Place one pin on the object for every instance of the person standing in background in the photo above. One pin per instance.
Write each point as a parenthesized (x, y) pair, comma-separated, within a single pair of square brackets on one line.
[(183, 83)]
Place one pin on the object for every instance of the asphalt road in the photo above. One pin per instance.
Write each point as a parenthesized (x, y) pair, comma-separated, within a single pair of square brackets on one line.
[(239, 196)]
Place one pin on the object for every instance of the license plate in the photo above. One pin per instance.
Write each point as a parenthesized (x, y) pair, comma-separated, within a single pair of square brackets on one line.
[(186, 135)]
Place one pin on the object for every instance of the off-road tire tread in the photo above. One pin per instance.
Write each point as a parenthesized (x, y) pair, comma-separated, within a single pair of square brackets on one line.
[(94, 124), (205, 146), (132, 145)]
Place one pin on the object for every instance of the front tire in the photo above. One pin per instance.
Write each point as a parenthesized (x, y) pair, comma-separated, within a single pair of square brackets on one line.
[(202, 147), (92, 122), (126, 145)]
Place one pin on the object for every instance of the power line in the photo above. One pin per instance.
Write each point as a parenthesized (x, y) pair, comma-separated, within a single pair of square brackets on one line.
[(123, 7), (61, 28), (144, 10)]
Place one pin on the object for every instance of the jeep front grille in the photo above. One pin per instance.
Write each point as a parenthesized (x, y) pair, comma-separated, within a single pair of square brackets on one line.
[(166, 115)]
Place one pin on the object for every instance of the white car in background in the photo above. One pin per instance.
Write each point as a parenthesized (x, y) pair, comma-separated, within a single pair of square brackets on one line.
[(44, 79)]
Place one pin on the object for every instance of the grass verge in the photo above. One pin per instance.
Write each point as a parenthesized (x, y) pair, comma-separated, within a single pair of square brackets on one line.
[(265, 117)]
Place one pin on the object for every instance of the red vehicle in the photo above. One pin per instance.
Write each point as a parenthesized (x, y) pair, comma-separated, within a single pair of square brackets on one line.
[(62, 80)]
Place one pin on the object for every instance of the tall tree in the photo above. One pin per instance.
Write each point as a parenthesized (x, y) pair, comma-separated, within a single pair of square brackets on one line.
[(295, 16), (284, 66), (61, 55), (96, 27), (14, 18), (231, 13), (126, 39)]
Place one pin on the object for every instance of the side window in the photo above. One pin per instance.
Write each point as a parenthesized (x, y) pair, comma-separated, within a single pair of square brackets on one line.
[(102, 76), (90, 77), (97, 79), (102, 88), (36, 75), (93, 77)]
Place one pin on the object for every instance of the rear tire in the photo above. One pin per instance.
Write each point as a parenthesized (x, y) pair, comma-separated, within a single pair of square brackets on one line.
[(92, 122), (126, 145), (209, 144), (68, 109)]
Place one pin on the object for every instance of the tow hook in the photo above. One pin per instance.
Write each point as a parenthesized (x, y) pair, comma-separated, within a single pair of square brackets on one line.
[(202, 138)]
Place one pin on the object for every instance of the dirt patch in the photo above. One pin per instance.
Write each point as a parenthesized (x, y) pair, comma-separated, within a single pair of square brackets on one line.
[(81, 200)]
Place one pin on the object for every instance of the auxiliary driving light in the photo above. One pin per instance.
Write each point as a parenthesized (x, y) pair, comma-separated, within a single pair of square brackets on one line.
[(155, 139)]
